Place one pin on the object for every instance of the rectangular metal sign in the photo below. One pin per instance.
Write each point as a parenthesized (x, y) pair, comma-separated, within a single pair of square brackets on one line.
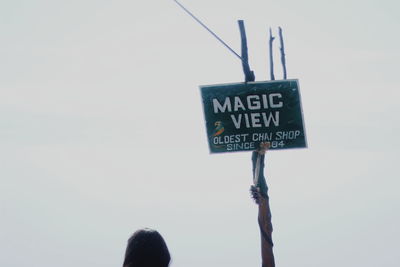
[(240, 116)]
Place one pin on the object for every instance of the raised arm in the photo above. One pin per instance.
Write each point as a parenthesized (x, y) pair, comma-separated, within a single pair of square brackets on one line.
[(259, 193)]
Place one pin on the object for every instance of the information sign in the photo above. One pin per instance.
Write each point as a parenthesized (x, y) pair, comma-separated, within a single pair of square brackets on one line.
[(242, 115)]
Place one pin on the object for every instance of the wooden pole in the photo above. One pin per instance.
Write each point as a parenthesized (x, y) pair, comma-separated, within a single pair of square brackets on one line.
[(283, 58), (248, 73), (271, 57)]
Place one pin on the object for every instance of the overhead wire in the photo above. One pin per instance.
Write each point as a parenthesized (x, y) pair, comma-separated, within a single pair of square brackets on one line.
[(208, 29)]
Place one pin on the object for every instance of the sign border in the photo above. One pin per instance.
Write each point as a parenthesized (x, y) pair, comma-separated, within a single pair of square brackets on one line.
[(256, 82)]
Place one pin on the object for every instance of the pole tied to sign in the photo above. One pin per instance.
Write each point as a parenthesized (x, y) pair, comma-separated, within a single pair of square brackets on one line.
[(254, 116), (240, 116)]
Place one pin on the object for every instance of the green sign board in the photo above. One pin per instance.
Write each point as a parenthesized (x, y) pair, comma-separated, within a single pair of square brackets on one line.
[(240, 116)]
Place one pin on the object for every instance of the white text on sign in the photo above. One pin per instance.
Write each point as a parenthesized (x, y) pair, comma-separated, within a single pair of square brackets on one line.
[(251, 103)]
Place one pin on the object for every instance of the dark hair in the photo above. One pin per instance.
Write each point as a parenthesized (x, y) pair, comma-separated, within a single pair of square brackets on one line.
[(146, 248)]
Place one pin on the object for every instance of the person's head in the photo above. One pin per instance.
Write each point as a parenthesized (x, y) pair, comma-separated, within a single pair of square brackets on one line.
[(146, 248)]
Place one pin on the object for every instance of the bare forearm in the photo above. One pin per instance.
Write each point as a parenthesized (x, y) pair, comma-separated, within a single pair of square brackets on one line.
[(265, 224), (260, 195)]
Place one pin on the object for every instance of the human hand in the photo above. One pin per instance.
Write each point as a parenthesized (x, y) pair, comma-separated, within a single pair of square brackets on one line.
[(259, 189), (255, 194)]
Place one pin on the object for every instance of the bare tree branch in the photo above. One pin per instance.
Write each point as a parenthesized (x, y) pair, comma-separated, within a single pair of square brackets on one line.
[(248, 73), (271, 57), (282, 49)]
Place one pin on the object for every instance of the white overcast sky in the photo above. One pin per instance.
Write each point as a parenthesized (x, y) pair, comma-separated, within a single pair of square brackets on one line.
[(102, 133)]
